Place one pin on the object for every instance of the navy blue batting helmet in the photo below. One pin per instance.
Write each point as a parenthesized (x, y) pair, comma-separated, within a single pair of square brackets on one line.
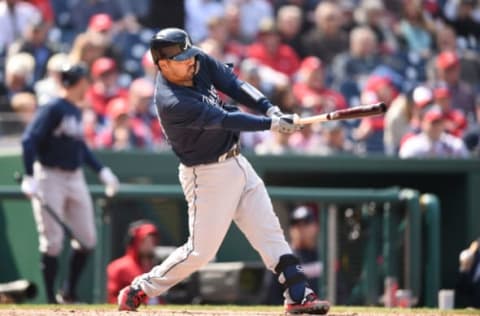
[(71, 74), (172, 43)]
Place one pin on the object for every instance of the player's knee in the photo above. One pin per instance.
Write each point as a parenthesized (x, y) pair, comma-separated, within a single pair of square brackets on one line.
[(88, 242), (52, 247)]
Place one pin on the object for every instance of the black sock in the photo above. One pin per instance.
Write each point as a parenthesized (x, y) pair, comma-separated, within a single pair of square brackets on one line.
[(49, 267), (78, 261)]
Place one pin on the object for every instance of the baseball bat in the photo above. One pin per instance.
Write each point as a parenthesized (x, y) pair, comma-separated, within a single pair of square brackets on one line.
[(345, 114), (18, 177)]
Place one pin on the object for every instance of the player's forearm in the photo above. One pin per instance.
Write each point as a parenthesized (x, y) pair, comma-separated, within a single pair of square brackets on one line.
[(29, 153), (250, 96), (239, 121), (90, 159)]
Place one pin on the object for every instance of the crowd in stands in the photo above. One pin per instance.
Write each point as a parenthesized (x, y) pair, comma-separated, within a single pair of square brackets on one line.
[(420, 57)]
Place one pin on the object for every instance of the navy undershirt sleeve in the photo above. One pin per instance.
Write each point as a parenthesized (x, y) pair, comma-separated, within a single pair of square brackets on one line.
[(43, 123), (239, 121), (90, 159)]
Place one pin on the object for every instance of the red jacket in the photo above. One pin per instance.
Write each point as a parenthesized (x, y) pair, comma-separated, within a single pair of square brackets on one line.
[(285, 59), (122, 271)]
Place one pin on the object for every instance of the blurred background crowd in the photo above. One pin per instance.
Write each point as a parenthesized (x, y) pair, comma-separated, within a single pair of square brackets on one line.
[(420, 57)]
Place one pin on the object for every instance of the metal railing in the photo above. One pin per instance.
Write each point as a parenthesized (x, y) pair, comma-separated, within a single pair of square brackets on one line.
[(325, 197)]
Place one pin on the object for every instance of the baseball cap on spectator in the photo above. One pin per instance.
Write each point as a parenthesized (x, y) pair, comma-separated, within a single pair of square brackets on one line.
[(432, 115), (442, 93), (311, 63), (117, 107), (102, 66), (100, 22), (446, 60), (374, 83), (302, 214), (422, 96)]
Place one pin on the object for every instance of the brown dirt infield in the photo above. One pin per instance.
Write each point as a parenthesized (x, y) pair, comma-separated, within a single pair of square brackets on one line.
[(85, 311)]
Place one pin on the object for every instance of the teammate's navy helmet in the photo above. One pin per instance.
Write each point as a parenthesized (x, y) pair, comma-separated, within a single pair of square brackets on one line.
[(172, 43), (71, 74)]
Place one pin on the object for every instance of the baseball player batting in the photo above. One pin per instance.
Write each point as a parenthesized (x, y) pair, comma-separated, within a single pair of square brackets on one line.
[(53, 153), (219, 184)]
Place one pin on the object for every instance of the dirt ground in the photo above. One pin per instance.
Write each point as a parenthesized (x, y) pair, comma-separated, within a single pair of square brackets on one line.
[(158, 312)]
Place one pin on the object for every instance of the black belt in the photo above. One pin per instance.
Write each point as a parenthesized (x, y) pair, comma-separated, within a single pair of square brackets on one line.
[(234, 151)]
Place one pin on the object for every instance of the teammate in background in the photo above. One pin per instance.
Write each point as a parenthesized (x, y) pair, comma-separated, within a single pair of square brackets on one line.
[(219, 184), (468, 283), (53, 153), (303, 231), (138, 258)]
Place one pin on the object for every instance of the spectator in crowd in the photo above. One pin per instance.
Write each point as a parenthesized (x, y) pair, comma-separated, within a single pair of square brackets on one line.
[(472, 136), (87, 47), (105, 86), (303, 232), (233, 21), (462, 93), (142, 238), (270, 51), (327, 38), (232, 50), (355, 66), (416, 28), (34, 42), (433, 142), (311, 90), (455, 121), (462, 19), (46, 10), (102, 26), (18, 77), (289, 24), (120, 133), (333, 141), (198, 12), (446, 40), (15, 17), (398, 122), (251, 13), (372, 14), (47, 88), (468, 283), (81, 12)]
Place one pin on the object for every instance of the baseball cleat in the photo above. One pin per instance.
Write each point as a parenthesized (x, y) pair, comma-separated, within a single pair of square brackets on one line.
[(129, 299), (310, 305)]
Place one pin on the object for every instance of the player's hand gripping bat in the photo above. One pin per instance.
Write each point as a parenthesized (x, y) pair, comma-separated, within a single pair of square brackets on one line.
[(345, 114)]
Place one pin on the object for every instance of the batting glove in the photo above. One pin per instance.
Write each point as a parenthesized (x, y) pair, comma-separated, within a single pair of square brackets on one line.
[(110, 180), (285, 124), (29, 186), (274, 111)]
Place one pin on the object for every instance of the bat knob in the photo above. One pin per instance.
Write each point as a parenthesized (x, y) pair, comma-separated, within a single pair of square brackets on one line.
[(383, 107)]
